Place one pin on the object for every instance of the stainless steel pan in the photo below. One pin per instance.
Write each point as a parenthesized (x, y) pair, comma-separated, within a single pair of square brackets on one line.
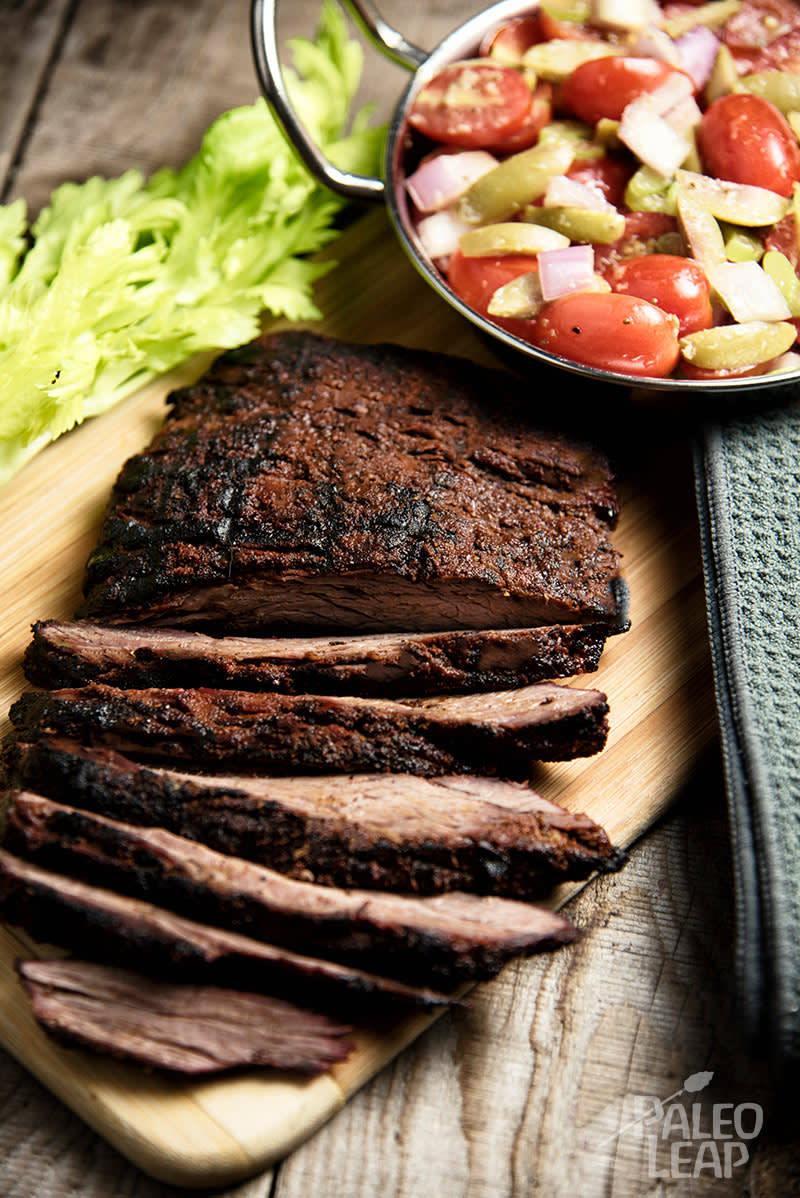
[(461, 43)]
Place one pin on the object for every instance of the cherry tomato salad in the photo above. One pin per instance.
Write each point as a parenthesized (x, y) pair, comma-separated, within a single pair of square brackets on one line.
[(618, 184)]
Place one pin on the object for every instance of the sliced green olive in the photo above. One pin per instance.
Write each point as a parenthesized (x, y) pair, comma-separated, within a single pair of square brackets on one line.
[(741, 245), (737, 346), (713, 15), (738, 203), (781, 88), (556, 59), (724, 77), (507, 188), (512, 237), (578, 224), (648, 191), (781, 271), (521, 298)]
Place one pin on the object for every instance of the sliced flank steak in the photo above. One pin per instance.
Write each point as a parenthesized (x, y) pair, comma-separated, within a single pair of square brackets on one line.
[(428, 941), (384, 831), (386, 665), (192, 1030)]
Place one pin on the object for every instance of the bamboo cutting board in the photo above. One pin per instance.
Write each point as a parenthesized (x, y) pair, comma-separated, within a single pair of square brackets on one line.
[(657, 677)]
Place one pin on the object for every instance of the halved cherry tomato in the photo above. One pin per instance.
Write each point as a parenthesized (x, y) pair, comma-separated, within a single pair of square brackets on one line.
[(746, 139), (609, 175), (540, 114), (604, 86), (613, 332), (642, 230), (473, 105), (475, 281), (764, 35), (783, 238), (513, 38), (676, 285), (573, 31)]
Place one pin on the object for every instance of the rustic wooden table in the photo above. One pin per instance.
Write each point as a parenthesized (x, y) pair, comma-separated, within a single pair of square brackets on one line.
[(515, 1095)]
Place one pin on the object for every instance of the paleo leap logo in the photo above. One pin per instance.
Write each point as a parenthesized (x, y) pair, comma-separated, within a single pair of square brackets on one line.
[(696, 1140)]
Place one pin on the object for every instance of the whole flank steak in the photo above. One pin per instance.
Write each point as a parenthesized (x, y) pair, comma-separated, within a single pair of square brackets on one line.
[(317, 484), (392, 832), (500, 733)]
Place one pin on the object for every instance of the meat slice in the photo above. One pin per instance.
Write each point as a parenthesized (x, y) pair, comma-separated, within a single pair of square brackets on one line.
[(382, 831), (431, 941), (117, 930), (499, 733), (183, 1029), (388, 664), (306, 482)]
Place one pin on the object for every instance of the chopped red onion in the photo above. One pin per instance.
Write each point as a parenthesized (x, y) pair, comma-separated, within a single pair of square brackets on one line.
[(439, 233), (563, 192), (653, 42), (685, 116), (440, 181), (652, 139), (564, 271), (698, 50), (786, 362), (674, 90)]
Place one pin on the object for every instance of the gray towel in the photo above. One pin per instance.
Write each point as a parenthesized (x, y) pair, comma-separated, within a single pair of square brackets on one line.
[(747, 471)]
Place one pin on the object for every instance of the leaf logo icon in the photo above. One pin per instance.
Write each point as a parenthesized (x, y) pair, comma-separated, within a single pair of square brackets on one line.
[(696, 1082)]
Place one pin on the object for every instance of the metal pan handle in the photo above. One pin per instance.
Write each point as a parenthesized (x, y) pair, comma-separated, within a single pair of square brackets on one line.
[(265, 53)]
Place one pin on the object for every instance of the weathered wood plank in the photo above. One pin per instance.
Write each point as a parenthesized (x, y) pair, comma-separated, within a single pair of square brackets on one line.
[(32, 32)]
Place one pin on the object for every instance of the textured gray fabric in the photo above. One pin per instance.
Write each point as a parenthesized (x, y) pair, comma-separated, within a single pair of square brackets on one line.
[(748, 489)]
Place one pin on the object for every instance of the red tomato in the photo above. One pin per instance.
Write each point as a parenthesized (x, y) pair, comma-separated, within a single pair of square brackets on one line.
[(571, 30), (764, 35), (783, 238), (540, 114), (642, 230), (746, 139), (613, 332), (604, 86), (475, 281), (513, 38), (676, 285), (609, 175), (472, 105)]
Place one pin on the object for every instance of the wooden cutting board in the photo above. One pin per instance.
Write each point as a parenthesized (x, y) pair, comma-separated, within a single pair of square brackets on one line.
[(657, 677)]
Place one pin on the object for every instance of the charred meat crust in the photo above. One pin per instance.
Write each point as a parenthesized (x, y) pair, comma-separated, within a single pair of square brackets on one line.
[(116, 930), (433, 942), (462, 833), (501, 733), (389, 665), (306, 481), (192, 1030)]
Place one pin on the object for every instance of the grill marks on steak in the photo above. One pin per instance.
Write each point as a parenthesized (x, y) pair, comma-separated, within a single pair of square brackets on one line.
[(192, 1030), (431, 941), (310, 482), (113, 928), (500, 733), (381, 831), (390, 664)]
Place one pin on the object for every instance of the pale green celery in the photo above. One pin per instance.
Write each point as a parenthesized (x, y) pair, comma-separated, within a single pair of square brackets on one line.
[(781, 271), (578, 11), (713, 15), (741, 245), (557, 59), (648, 191), (126, 278), (505, 189), (724, 77)]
